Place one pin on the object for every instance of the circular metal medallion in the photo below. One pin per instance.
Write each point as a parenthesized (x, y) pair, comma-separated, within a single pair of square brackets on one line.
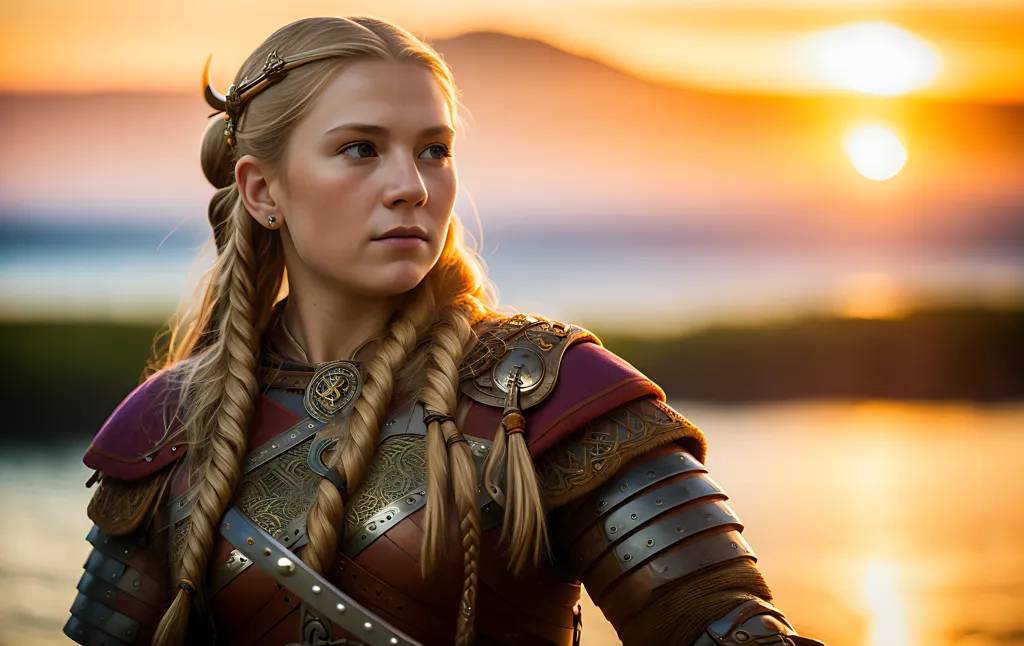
[(531, 370), (334, 385)]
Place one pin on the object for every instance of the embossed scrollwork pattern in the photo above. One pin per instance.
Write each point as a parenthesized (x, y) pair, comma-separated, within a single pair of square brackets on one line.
[(602, 446), (280, 492), (398, 468)]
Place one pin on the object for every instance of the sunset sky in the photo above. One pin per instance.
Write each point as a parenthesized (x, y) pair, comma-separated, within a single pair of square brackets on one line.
[(885, 119), (732, 45)]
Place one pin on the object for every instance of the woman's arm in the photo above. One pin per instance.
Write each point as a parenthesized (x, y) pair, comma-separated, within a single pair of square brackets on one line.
[(651, 536), (126, 584)]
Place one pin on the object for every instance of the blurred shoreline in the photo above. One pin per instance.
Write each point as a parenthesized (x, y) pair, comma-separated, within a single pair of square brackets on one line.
[(953, 354)]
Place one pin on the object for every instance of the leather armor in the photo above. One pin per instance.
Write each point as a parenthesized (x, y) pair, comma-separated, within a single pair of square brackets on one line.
[(632, 507)]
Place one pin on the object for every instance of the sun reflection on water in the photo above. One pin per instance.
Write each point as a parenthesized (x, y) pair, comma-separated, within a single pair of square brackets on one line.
[(881, 597)]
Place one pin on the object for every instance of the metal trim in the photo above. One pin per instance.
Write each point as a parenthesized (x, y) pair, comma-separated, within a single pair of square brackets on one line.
[(600, 537), (103, 567), (316, 591), (117, 547), (104, 618), (670, 565), (274, 447), (676, 528), (624, 485), (235, 564), (82, 633)]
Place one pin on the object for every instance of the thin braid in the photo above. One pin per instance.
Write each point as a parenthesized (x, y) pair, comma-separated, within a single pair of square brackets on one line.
[(327, 514), (232, 362), (440, 394)]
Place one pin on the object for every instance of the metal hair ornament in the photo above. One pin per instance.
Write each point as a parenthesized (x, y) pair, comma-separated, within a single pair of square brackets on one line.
[(236, 99)]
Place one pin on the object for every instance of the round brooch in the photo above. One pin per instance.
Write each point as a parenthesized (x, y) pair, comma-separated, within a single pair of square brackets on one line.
[(531, 370), (334, 386)]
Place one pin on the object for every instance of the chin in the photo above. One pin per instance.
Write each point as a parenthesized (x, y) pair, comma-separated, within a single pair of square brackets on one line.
[(398, 279)]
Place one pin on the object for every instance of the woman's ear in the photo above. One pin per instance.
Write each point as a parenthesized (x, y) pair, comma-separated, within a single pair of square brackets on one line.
[(253, 181)]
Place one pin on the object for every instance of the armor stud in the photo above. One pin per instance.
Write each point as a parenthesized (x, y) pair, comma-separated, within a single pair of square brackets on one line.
[(285, 566)]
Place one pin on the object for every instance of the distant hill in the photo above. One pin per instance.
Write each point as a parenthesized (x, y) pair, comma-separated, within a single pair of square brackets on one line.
[(557, 140)]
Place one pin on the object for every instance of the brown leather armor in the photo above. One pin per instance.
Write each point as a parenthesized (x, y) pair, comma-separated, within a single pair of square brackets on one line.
[(632, 511)]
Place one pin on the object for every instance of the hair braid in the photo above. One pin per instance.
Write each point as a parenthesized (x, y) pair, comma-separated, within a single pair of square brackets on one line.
[(448, 452), (525, 521), (230, 363), (327, 514)]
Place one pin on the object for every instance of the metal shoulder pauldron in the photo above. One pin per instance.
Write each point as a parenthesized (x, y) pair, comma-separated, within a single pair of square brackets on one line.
[(530, 343)]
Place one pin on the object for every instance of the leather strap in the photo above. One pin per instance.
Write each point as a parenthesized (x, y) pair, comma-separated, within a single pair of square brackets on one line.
[(316, 591)]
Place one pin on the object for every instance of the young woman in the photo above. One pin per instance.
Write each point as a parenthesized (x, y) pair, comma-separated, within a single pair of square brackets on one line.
[(381, 456)]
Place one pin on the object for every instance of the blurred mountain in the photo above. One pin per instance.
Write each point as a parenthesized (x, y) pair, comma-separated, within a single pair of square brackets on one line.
[(556, 141)]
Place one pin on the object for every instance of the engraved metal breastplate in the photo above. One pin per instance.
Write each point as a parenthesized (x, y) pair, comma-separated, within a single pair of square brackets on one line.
[(278, 487)]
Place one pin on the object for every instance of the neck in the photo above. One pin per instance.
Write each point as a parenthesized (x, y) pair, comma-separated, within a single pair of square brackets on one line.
[(329, 323)]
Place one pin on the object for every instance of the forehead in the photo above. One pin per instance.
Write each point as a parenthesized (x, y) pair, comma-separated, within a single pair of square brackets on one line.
[(397, 95)]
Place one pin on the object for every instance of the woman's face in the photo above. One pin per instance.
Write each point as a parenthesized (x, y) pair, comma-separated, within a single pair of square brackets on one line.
[(372, 156)]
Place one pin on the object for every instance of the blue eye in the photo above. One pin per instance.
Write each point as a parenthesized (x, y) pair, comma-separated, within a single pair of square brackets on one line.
[(360, 150), (436, 152)]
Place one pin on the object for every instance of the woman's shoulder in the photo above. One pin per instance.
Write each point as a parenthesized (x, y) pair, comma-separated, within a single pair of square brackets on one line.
[(567, 376), (588, 410), (129, 444)]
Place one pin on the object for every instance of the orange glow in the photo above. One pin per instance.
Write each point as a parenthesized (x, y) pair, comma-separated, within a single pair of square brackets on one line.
[(871, 296), (873, 58), (738, 46)]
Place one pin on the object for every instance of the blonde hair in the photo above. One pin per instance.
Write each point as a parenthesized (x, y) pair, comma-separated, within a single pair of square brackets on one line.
[(214, 348)]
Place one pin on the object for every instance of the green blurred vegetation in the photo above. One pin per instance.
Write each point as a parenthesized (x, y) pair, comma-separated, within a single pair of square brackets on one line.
[(66, 378)]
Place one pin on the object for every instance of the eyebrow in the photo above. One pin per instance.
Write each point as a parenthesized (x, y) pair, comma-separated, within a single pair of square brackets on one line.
[(369, 129)]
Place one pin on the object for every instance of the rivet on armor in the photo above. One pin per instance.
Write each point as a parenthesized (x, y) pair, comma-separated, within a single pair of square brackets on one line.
[(266, 551), (227, 525), (734, 546), (613, 529), (623, 486), (632, 516), (603, 503), (316, 589), (658, 501), (285, 566), (368, 626), (651, 474), (273, 446), (372, 527), (293, 435), (340, 608), (741, 636), (650, 542), (708, 517), (173, 449), (394, 640), (680, 530), (627, 557), (411, 501), (249, 541), (311, 426)]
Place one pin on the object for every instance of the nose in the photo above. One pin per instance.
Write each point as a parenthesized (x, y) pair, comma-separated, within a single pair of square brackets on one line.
[(405, 186)]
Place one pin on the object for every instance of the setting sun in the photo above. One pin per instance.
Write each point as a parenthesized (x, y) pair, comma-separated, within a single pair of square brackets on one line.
[(872, 57), (875, 151)]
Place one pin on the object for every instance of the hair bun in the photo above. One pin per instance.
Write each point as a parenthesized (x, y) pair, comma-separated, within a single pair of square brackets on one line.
[(216, 156)]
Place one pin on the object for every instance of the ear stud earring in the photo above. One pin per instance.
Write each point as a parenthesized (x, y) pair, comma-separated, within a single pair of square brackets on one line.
[(272, 221)]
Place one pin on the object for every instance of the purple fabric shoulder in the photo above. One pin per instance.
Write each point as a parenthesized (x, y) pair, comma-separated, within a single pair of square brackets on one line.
[(125, 445), (592, 381)]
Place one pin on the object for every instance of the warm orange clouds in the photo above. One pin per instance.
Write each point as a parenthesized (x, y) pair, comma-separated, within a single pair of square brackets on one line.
[(735, 46)]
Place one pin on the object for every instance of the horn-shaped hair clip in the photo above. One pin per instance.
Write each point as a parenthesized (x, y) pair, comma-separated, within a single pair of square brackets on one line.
[(232, 104)]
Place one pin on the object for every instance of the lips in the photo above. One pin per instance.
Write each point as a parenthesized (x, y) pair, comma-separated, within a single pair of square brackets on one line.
[(404, 232)]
